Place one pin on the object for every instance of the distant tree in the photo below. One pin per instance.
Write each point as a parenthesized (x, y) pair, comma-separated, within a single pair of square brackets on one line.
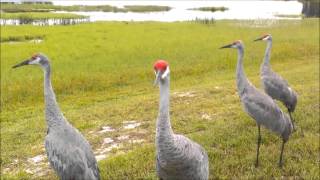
[(36, 2), (6, 2), (311, 8)]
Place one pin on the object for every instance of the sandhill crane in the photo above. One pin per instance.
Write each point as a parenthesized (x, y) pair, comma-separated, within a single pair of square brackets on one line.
[(273, 84), (69, 153), (178, 157), (260, 106)]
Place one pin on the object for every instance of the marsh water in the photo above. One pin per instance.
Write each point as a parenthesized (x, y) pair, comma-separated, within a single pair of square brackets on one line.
[(253, 10), (180, 10)]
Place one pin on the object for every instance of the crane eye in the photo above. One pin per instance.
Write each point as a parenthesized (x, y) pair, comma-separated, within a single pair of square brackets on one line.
[(34, 57)]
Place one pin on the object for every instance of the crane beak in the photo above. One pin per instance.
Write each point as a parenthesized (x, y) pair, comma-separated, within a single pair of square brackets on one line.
[(226, 46), (157, 80), (23, 63), (259, 39), (160, 75)]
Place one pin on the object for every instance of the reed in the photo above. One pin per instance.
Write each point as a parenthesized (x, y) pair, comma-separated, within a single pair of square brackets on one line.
[(212, 9)]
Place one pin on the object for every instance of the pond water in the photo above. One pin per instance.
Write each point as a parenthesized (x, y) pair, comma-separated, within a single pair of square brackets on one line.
[(256, 10), (180, 12)]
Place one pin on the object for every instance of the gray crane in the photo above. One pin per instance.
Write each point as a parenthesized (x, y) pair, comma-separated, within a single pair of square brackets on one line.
[(178, 157), (260, 106), (274, 85), (69, 153)]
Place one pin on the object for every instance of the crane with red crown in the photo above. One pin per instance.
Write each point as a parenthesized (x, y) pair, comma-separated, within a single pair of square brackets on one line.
[(178, 157)]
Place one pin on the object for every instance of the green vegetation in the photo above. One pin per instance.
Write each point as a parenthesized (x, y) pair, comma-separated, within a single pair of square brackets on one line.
[(27, 7), (289, 15), (105, 8), (36, 2), (20, 38), (103, 75), (43, 18), (51, 7), (40, 16), (140, 8), (212, 9), (206, 21)]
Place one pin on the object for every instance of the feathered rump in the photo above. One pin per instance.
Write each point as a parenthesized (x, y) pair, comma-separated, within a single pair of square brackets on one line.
[(70, 161)]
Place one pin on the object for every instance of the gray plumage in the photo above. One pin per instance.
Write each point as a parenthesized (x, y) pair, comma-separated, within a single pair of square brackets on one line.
[(178, 157), (69, 153), (274, 85), (260, 106)]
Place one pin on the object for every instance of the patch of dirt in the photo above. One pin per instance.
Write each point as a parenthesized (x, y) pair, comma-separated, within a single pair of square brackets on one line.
[(206, 116), (184, 94), (101, 152), (37, 159), (38, 165), (35, 41), (131, 124), (136, 140), (118, 140), (107, 140), (100, 157), (105, 129), (123, 137), (37, 171)]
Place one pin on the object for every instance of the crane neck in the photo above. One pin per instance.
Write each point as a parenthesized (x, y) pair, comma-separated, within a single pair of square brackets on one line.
[(53, 114), (242, 80), (266, 60), (164, 130)]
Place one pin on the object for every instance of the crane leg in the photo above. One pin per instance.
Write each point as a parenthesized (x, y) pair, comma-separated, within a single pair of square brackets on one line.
[(294, 127), (258, 146), (281, 154)]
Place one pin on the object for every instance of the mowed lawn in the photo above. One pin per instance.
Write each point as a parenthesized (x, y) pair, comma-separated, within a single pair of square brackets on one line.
[(103, 76)]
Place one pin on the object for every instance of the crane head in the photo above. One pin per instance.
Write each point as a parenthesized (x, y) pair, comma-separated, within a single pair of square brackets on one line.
[(161, 70), (264, 37), (36, 59), (235, 44)]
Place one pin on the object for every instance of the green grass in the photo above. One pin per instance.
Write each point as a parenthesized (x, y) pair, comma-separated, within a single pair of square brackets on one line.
[(212, 9), (103, 75), (40, 16)]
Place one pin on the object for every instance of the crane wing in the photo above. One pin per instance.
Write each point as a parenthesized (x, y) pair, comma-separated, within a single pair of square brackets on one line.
[(278, 88), (190, 149), (188, 160), (275, 85), (263, 109), (71, 159)]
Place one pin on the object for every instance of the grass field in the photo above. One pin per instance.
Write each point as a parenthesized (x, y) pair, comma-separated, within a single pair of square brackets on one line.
[(103, 75)]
